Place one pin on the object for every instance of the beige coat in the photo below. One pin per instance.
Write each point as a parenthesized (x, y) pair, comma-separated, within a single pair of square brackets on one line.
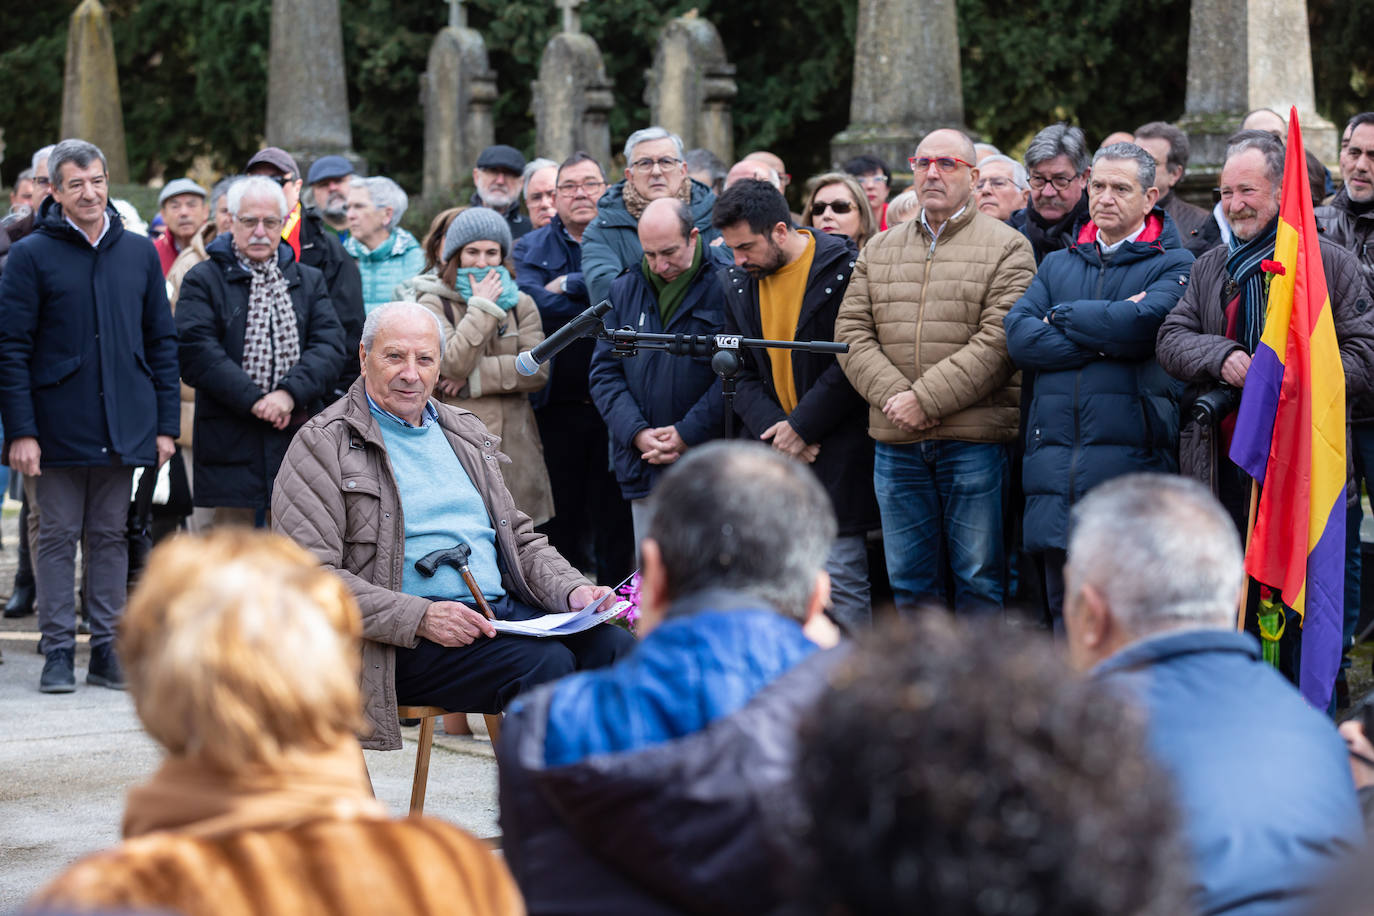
[(926, 316), (188, 258), (481, 341), (335, 496)]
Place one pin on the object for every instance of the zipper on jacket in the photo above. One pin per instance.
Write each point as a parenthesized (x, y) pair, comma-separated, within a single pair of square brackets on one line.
[(1073, 455), (921, 309)]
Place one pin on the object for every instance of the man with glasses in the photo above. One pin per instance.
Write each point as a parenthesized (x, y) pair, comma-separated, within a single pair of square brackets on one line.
[(591, 524), (875, 178), (1057, 166), (316, 245), (497, 178), (923, 320), (1169, 147), (655, 168), (88, 392), (537, 187), (1002, 187)]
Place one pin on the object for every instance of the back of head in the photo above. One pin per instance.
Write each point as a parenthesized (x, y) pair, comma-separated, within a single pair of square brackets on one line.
[(1160, 549), (240, 649), (1059, 140), (739, 516), (951, 770)]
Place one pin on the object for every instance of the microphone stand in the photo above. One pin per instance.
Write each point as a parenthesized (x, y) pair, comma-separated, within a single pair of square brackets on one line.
[(722, 348)]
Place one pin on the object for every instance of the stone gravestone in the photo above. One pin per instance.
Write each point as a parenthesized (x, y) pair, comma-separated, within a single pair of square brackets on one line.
[(691, 86), (906, 79), (1243, 55), (457, 90), (572, 97), (90, 88), (307, 91)]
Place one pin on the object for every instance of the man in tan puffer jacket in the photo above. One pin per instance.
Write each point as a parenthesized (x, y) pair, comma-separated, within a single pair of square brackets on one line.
[(923, 320)]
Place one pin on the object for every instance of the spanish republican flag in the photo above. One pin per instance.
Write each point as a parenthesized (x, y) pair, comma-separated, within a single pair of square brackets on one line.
[(1290, 437)]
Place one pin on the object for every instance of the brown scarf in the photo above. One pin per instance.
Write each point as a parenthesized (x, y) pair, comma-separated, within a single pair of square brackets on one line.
[(193, 798), (636, 204), (271, 341)]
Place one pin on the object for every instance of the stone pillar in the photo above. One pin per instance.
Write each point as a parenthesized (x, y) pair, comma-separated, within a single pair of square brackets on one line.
[(691, 86), (457, 90), (1243, 55), (572, 97), (906, 79), (307, 89), (90, 88)]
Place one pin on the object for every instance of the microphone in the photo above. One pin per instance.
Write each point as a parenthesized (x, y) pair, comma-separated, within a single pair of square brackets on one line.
[(584, 325)]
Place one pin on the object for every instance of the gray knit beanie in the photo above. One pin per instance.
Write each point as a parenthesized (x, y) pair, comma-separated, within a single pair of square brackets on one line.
[(476, 224)]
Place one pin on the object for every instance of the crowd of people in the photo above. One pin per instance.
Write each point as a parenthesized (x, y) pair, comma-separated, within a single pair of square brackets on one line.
[(1014, 422)]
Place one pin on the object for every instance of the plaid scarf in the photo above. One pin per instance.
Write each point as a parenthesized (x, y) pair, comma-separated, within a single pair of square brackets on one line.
[(271, 342), (1244, 292), (636, 204)]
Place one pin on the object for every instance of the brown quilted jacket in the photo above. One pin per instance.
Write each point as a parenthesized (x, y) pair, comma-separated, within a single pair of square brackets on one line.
[(926, 316), (1192, 345), (335, 496)]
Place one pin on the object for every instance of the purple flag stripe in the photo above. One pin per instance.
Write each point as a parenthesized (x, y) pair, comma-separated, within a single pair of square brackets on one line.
[(1325, 599), (1255, 423)]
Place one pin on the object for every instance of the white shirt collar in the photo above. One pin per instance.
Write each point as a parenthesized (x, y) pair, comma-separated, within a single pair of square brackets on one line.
[(103, 229), (1108, 249), (935, 233)]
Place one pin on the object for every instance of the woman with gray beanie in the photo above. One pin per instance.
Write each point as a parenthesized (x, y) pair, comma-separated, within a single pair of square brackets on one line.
[(487, 321)]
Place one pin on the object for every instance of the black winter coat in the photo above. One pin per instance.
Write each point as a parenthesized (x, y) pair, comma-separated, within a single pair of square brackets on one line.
[(87, 345), (1102, 406), (656, 388), (237, 455), (829, 411), (543, 255), (322, 250)]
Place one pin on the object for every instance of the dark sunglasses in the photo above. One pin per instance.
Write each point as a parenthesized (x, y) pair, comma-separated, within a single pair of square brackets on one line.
[(841, 207)]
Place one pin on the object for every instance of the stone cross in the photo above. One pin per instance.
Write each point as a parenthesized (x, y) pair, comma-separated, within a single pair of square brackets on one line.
[(691, 85), (457, 16), (571, 24), (457, 90)]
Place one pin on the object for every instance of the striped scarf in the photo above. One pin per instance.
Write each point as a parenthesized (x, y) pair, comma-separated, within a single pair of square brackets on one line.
[(1249, 283)]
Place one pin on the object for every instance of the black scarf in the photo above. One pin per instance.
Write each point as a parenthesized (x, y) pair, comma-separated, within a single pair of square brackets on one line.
[(1243, 267), (1046, 236)]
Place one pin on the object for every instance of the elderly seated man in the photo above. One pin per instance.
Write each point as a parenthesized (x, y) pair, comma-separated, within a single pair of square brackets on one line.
[(384, 477), (1154, 572)]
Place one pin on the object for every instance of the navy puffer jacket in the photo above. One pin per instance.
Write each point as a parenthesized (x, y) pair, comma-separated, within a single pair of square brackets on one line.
[(1099, 404)]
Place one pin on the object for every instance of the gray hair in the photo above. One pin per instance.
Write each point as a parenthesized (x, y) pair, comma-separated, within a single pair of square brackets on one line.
[(1270, 146), (384, 193), (1059, 140), (986, 148), (1161, 550), (531, 167), (648, 134), (258, 186), (42, 156), (220, 189), (1129, 152), (26, 175), (1018, 171), (378, 316), (739, 516), (78, 152)]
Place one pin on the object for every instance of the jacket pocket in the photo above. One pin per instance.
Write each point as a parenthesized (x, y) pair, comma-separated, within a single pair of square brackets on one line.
[(362, 508), (55, 373)]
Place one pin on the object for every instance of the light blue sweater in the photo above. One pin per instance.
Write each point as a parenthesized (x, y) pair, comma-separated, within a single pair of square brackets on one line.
[(442, 507)]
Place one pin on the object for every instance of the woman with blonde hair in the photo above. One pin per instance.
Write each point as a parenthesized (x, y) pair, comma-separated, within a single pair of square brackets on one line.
[(836, 203), (243, 660), (486, 322)]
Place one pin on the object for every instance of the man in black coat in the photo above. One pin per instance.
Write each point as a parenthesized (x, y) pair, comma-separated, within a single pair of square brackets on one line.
[(787, 284), (88, 392), (316, 245), (262, 346)]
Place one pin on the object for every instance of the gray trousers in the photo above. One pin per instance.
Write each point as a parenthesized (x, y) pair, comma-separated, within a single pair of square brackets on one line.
[(851, 602), (77, 501)]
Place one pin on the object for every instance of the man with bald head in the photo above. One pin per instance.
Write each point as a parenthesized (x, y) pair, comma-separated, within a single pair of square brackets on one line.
[(658, 404), (387, 475), (923, 320), (755, 169)]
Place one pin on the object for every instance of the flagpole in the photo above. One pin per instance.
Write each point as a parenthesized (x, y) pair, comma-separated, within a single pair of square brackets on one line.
[(1249, 531)]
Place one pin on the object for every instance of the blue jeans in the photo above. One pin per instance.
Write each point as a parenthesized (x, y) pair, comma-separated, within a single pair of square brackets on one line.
[(942, 498)]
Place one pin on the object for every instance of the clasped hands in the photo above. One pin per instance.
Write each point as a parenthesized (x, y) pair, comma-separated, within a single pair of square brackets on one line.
[(786, 440), (454, 624), (905, 411), (662, 445), (275, 408)]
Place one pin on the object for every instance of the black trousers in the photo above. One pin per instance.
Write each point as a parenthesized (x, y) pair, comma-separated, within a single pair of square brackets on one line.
[(591, 526), (486, 675)]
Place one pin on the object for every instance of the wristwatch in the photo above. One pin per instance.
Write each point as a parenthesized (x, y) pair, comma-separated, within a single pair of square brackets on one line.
[(563, 284)]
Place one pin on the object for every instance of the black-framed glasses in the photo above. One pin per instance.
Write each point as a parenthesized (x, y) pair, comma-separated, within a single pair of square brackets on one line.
[(841, 207), (1060, 182), (589, 187), (664, 164), (943, 163), (270, 223)]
